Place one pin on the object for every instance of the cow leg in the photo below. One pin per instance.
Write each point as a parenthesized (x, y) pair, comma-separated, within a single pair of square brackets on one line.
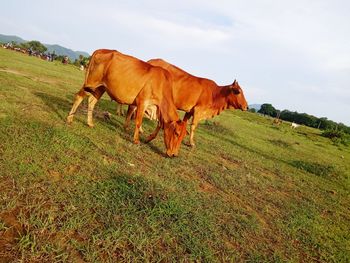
[(78, 99), (187, 116), (91, 105), (193, 127), (120, 110), (130, 112), (138, 122), (194, 124), (154, 133), (92, 102)]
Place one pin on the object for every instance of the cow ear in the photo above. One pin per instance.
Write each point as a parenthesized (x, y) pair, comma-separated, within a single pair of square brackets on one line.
[(234, 83)]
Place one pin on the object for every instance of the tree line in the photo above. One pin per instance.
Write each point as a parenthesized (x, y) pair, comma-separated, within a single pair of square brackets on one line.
[(303, 118)]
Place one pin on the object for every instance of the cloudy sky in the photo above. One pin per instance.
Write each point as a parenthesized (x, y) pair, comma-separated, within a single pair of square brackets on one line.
[(293, 54)]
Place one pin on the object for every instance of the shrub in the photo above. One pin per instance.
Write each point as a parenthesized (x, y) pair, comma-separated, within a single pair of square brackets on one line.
[(337, 136), (314, 168)]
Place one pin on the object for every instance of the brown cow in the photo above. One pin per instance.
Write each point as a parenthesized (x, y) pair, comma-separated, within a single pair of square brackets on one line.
[(131, 81), (200, 98)]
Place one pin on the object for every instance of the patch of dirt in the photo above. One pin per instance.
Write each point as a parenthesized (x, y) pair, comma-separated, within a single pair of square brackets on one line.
[(36, 79), (263, 221), (233, 245), (62, 240), (11, 232), (54, 175), (12, 71), (72, 169), (206, 187), (107, 160), (233, 162)]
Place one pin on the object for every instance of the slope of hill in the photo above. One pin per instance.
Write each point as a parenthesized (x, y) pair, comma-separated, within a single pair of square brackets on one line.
[(249, 192), (59, 50)]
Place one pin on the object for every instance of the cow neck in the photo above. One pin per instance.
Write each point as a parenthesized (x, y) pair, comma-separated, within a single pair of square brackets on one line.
[(168, 111), (219, 102)]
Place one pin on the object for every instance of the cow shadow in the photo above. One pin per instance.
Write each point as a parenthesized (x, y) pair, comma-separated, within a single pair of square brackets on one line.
[(155, 149), (61, 107), (57, 105)]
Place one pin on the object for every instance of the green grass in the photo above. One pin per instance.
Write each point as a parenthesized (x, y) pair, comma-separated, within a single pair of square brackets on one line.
[(249, 191)]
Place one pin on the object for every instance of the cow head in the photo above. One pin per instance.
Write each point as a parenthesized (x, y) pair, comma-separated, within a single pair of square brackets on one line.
[(174, 132), (236, 97)]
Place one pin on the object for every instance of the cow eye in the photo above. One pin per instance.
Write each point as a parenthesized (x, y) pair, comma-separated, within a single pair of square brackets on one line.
[(236, 91)]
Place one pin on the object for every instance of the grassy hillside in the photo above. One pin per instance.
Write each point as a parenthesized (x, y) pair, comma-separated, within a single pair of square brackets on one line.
[(59, 50), (249, 191)]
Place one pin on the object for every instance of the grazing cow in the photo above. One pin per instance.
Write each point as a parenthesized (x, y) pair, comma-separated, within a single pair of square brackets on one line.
[(277, 121), (200, 98), (131, 81), (294, 125)]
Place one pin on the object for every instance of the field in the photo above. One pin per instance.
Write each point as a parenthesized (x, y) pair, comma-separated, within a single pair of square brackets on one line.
[(249, 192)]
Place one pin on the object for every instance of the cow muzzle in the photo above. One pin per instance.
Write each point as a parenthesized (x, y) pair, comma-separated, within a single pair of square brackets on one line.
[(170, 153)]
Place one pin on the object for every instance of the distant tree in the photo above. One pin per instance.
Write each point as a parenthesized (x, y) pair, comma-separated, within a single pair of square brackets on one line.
[(306, 119), (344, 128), (76, 62), (252, 110), (326, 124), (14, 44), (24, 45), (36, 46), (59, 58), (268, 109), (82, 61), (312, 121)]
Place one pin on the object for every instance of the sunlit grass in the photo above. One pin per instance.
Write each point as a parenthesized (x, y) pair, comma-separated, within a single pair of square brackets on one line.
[(249, 191)]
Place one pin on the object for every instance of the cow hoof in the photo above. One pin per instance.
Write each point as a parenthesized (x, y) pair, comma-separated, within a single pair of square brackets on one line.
[(69, 119), (149, 138), (91, 125), (192, 145), (137, 142)]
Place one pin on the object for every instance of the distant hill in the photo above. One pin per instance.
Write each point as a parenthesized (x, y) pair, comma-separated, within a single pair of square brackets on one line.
[(59, 50), (255, 106), (5, 39)]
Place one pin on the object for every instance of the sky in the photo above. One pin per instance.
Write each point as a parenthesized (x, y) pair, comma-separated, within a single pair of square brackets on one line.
[(294, 54)]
